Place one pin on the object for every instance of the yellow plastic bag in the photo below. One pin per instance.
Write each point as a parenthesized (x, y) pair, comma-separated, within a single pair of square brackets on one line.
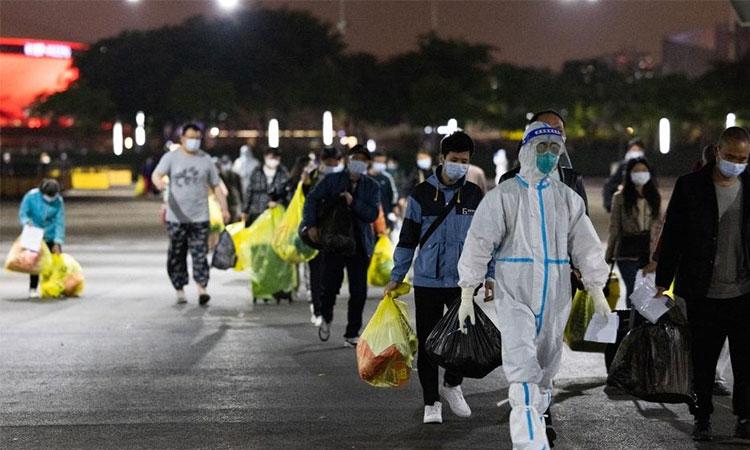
[(62, 277), (269, 274), (379, 272), (216, 219), (613, 291), (240, 236), (140, 186), (286, 242), (581, 312), (23, 260), (386, 349)]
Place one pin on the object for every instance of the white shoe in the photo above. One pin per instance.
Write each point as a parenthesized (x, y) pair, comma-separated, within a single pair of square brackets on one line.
[(433, 413), (33, 293), (318, 321), (313, 317), (181, 298), (455, 398)]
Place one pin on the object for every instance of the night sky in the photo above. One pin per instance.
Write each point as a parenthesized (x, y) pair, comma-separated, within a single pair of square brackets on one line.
[(524, 32)]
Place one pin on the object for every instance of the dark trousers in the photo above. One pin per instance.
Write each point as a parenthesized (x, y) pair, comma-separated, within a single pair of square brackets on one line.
[(184, 237), (430, 304), (711, 322), (34, 279), (316, 281), (333, 277), (628, 270)]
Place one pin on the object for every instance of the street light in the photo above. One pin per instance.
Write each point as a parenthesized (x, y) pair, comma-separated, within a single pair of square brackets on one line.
[(140, 131), (731, 120), (214, 132), (117, 138), (664, 135), (273, 133), (371, 145), (450, 128), (327, 128), (228, 5), (128, 143)]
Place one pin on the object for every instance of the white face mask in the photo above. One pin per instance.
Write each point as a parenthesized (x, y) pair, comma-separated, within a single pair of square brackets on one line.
[(632, 154), (357, 167), (192, 145), (730, 169), (333, 169), (379, 167), (424, 163), (455, 171), (640, 178), (272, 163)]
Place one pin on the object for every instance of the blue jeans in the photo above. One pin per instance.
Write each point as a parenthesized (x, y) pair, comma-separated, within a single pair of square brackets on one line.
[(628, 270)]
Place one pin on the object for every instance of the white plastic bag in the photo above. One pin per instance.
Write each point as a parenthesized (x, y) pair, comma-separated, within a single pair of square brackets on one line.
[(643, 298)]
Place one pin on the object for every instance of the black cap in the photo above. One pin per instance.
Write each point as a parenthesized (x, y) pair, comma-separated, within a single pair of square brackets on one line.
[(50, 187), (359, 150), (330, 153), (458, 142)]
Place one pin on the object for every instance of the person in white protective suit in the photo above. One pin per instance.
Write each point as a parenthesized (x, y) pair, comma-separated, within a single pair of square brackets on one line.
[(532, 226)]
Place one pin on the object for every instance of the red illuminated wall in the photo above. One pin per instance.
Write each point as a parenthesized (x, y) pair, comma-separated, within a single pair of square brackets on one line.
[(24, 78)]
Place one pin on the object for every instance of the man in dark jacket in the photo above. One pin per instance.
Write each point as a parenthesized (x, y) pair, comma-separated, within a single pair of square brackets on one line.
[(564, 171), (362, 196), (705, 244)]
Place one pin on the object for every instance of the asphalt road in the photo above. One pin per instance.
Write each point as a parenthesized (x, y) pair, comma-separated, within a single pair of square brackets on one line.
[(124, 367)]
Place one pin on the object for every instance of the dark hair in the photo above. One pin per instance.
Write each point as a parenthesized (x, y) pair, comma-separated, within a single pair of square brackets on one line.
[(272, 151), (330, 153), (299, 165), (424, 151), (191, 126), (708, 156), (635, 141), (458, 142), (535, 117), (734, 134), (650, 190), (49, 186), (377, 153), (359, 150)]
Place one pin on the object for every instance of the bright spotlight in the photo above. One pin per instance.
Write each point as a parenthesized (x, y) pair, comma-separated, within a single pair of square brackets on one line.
[(128, 143), (140, 118), (213, 132), (664, 135), (327, 128), (140, 136), (273, 133), (117, 138), (371, 145), (228, 5), (731, 120)]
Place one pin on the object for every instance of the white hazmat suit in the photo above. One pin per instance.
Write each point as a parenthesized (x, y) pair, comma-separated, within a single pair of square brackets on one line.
[(532, 226)]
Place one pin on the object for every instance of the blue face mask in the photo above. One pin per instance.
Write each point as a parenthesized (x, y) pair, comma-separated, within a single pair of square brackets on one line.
[(455, 171), (730, 169), (546, 162)]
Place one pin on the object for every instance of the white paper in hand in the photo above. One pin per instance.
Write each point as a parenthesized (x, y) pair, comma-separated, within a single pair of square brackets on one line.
[(603, 328), (644, 301), (31, 238)]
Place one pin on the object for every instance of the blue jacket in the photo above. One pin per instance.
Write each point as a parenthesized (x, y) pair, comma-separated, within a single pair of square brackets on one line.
[(364, 208), (43, 214), (436, 265)]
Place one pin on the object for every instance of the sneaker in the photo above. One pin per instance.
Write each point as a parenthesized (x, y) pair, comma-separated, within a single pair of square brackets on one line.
[(351, 342), (318, 320), (313, 317), (181, 298), (721, 389), (455, 398), (742, 429), (324, 330), (203, 299), (433, 413), (33, 293), (702, 430)]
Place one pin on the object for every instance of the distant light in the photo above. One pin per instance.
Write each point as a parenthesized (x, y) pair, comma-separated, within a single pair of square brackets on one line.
[(731, 120), (450, 128), (228, 5), (42, 50), (213, 132), (273, 133), (128, 143), (371, 145), (6, 158), (664, 135), (133, 1), (630, 130), (529, 115), (348, 141), (341, 133), (117, 138), (140, 136), (44, 158), (140, 118), (428, 130), (327, 128)]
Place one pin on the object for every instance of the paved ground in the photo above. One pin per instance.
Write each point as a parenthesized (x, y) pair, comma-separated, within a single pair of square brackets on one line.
[(123, 367)]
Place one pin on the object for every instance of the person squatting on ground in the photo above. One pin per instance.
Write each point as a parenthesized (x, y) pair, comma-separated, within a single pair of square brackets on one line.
[(529, 227), (362, 197), (705, 248), (43, 207), (438, 214), (191, 174)]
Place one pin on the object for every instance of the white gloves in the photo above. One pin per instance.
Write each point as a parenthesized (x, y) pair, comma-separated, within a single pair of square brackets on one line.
[(466, 310), (600, 302)]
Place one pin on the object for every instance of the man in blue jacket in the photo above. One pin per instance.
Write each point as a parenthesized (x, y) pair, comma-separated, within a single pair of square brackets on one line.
[(449, 201), (362, 196), (43, 207)]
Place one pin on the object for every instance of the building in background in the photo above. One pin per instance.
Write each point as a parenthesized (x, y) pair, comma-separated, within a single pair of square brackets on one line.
[(694, 52)]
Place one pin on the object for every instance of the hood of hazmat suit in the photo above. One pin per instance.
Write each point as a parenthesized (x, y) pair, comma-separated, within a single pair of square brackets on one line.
[(534, 227)]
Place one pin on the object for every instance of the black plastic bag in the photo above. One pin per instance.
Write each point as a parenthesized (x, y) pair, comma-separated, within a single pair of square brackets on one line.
[(654, 363), (472, 355), (336, 229), (225, 256)]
